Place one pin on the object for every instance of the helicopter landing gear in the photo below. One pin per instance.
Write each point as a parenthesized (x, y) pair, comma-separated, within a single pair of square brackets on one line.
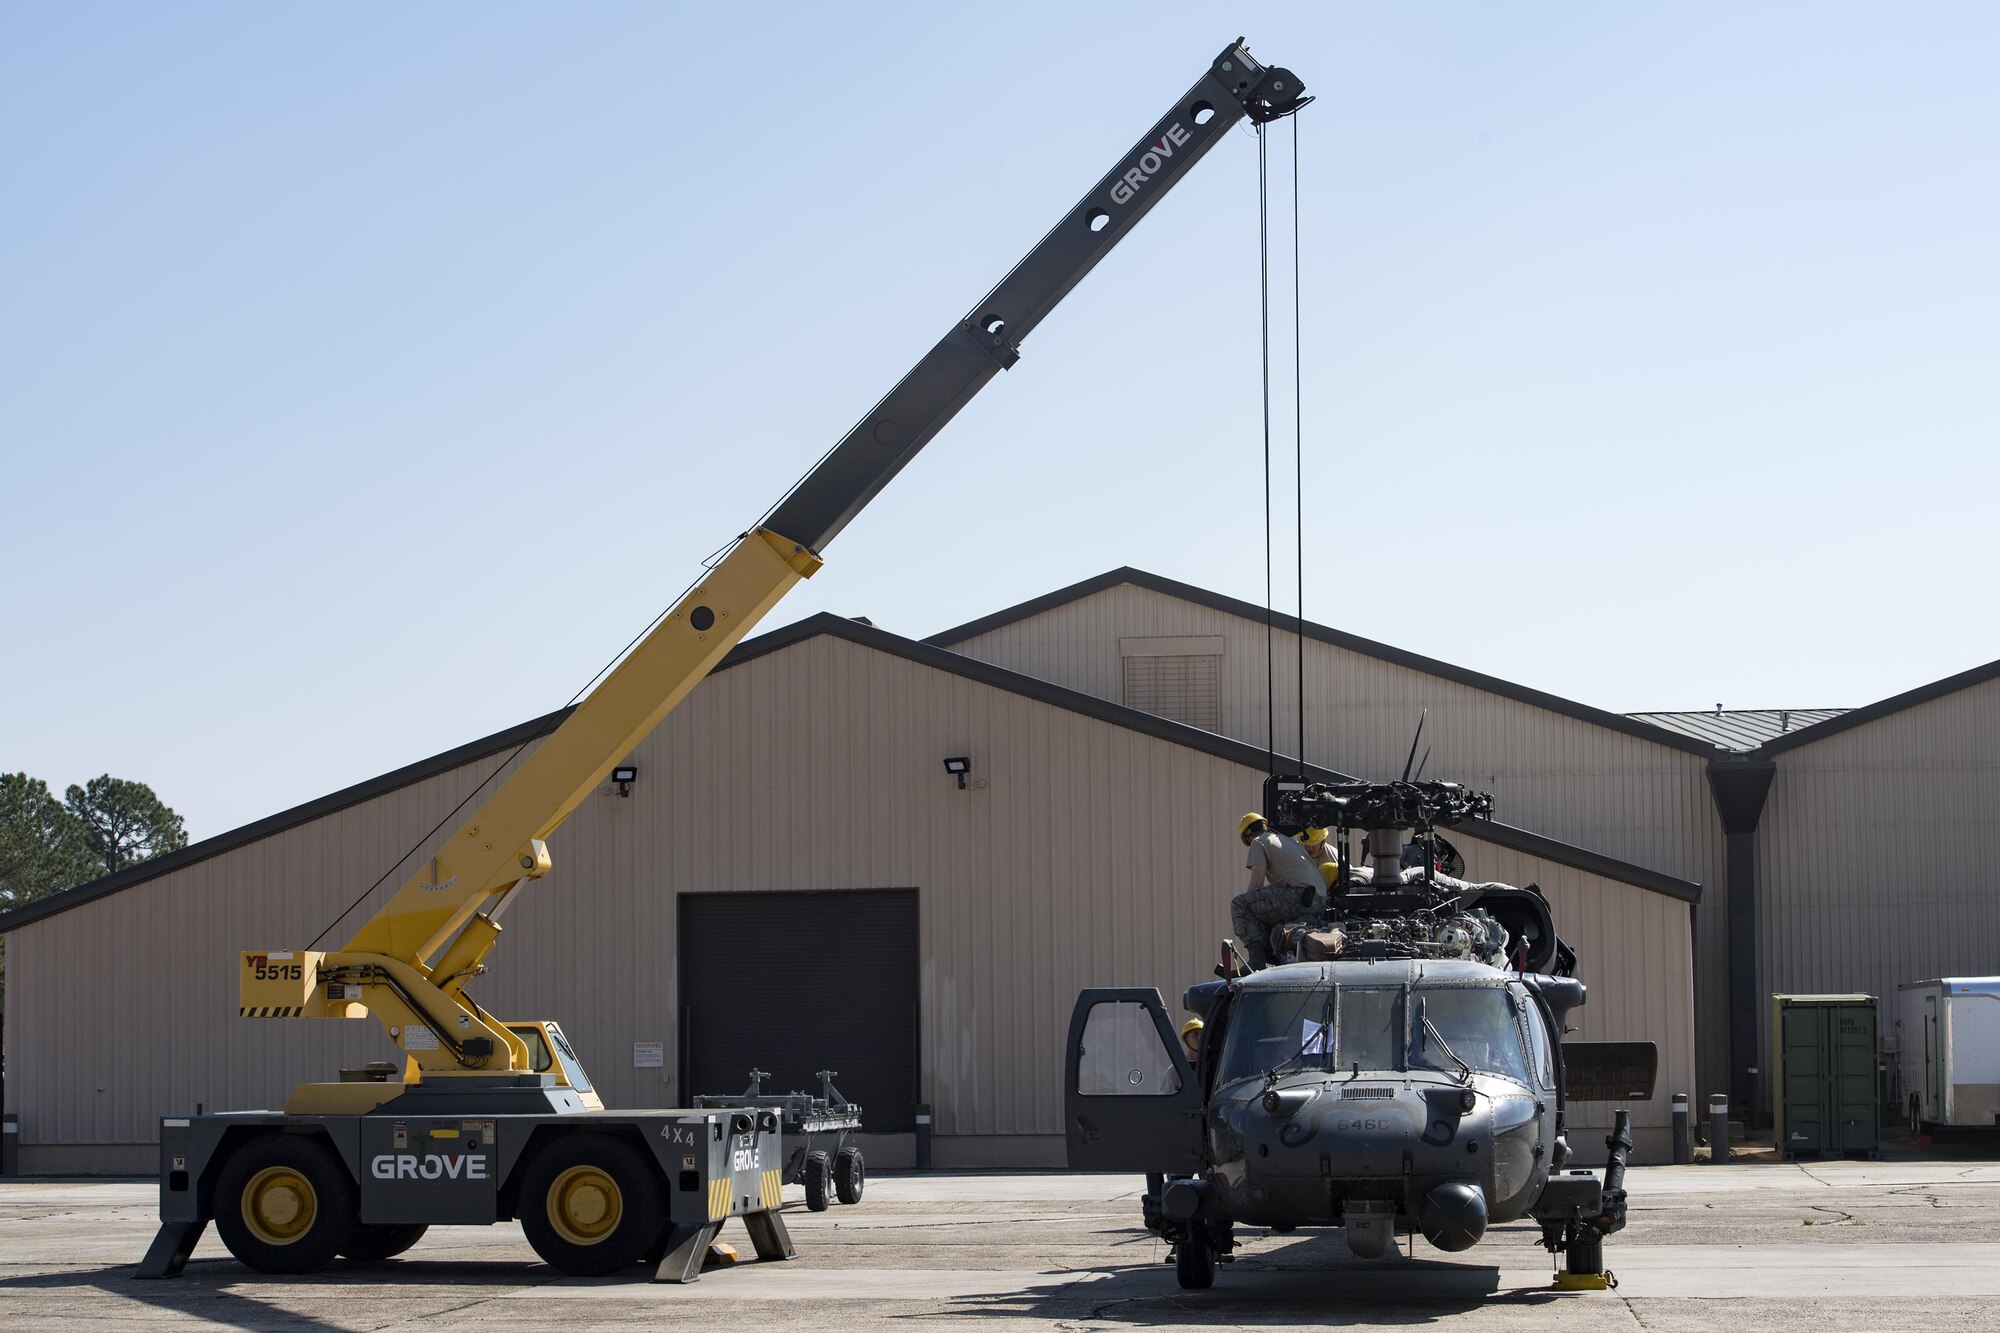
[(1581, 1239), (1583, 1263), (1194, 1262), (1197, 1251)]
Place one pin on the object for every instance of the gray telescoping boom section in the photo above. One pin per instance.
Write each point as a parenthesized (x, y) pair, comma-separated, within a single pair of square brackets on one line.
[(363, 1166), (988, 340)]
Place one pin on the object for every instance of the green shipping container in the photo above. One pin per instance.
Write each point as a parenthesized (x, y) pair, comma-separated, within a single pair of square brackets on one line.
[(1823, 1067)]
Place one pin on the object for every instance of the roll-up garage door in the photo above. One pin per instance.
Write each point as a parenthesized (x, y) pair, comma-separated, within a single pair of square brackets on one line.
[(792, 983)]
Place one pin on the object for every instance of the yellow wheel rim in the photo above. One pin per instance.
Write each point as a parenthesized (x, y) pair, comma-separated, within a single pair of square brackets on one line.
[(585, 1205), (279, 1205)]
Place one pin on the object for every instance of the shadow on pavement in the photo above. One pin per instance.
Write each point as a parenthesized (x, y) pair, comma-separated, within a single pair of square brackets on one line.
[(200, 1292), (1307, 1282), (187, 1295)]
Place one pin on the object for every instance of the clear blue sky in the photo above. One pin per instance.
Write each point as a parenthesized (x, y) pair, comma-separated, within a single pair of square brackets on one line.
[(369, 372)]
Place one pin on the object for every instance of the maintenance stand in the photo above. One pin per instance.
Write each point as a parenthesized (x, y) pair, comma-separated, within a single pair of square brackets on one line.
[(806, 1121)]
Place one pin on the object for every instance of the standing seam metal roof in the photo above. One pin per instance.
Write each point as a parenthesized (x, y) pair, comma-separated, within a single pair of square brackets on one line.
[(1741, 729)]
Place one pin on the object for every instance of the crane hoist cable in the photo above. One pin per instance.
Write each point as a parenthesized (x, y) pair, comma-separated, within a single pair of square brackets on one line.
[(1264, 320), (1298, 452)]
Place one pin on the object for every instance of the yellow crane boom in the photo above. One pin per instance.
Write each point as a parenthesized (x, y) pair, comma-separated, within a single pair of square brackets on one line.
[(409, 963)]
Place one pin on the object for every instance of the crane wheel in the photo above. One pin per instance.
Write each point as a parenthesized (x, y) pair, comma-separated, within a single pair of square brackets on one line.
[(850, 1175), (285, 1204), (592, 1204), (818, 1174), (372, 1242)]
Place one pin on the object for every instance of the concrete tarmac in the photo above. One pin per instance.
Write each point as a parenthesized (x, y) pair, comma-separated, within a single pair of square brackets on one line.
[(1820, 1246)]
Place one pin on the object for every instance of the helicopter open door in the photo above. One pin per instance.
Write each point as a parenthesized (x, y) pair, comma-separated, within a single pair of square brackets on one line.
[(1130, 1099)]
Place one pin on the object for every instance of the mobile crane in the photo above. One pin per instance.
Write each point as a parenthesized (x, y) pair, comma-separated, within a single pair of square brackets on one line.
[(490, 1119)]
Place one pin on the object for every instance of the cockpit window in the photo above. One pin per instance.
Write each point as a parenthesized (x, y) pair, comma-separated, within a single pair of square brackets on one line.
[(1371, 1029), (1538, 1035), (1314, 1029), (1269, 1028), (1476, 1023), (1122, 1054)]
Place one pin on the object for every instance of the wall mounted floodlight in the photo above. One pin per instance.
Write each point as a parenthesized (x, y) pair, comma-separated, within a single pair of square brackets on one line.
[(958, 767), (625, 775)]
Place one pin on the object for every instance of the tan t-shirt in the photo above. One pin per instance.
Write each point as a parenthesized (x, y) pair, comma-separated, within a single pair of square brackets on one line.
[(1283, 861)]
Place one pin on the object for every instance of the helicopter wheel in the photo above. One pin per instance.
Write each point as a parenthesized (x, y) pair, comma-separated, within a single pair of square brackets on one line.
[(1585, 1255), (1194, 1261)]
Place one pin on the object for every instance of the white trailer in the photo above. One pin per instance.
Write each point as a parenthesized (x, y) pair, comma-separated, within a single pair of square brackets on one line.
[(1948, 1051)]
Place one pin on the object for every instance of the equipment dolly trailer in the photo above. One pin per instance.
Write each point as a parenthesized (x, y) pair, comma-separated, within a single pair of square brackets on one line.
[(360, 1166), (806, 1121)]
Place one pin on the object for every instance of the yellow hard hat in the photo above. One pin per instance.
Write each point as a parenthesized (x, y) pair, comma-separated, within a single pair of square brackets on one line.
[(1192, 1025), (1313, 837), (1244, 824)]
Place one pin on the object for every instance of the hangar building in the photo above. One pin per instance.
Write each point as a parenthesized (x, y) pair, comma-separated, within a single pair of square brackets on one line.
[(795, 882)]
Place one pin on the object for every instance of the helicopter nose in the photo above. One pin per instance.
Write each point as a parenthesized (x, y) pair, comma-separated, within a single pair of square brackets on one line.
[(1453, 1216)]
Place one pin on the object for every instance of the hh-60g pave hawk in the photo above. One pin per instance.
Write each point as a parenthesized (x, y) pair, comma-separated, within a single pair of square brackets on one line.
[(1399, 1068)]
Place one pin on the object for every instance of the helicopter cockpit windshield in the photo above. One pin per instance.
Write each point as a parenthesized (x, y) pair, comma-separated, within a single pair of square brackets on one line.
[(1476, 1024), (1374, 1029), (1314, 1029)]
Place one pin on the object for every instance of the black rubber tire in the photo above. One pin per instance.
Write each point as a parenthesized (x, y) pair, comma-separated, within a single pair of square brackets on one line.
[(1585, 1256), (642, 1205), (373, 1242), (850, 1175), (818, 1175), (1194, 1261), (335, 1202)]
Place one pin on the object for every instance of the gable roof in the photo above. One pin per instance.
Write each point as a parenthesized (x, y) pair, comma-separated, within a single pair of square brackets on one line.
[(868, 636), (1430, 666)]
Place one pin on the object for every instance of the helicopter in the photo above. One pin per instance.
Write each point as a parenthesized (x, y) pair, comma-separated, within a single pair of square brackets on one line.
[(1398, 1069)]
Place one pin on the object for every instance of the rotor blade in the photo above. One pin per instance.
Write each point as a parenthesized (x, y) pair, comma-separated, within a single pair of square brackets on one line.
[(1413, 744)]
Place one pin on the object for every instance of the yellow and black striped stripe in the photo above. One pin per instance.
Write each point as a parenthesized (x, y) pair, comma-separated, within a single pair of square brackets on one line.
[(722, 1194), (272, 1011)]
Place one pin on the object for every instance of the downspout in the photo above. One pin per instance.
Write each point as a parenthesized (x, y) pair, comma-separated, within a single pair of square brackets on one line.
[(1739, 787)]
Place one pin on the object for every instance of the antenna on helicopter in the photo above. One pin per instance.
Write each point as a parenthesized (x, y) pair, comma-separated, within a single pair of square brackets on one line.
[(1413, 744), (1420, 764)]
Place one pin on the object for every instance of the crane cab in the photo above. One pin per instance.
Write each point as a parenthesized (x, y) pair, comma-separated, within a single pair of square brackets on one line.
[(549, 1052)]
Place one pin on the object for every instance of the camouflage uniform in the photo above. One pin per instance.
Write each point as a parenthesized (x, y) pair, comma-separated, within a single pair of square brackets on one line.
[(1254, 911)]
